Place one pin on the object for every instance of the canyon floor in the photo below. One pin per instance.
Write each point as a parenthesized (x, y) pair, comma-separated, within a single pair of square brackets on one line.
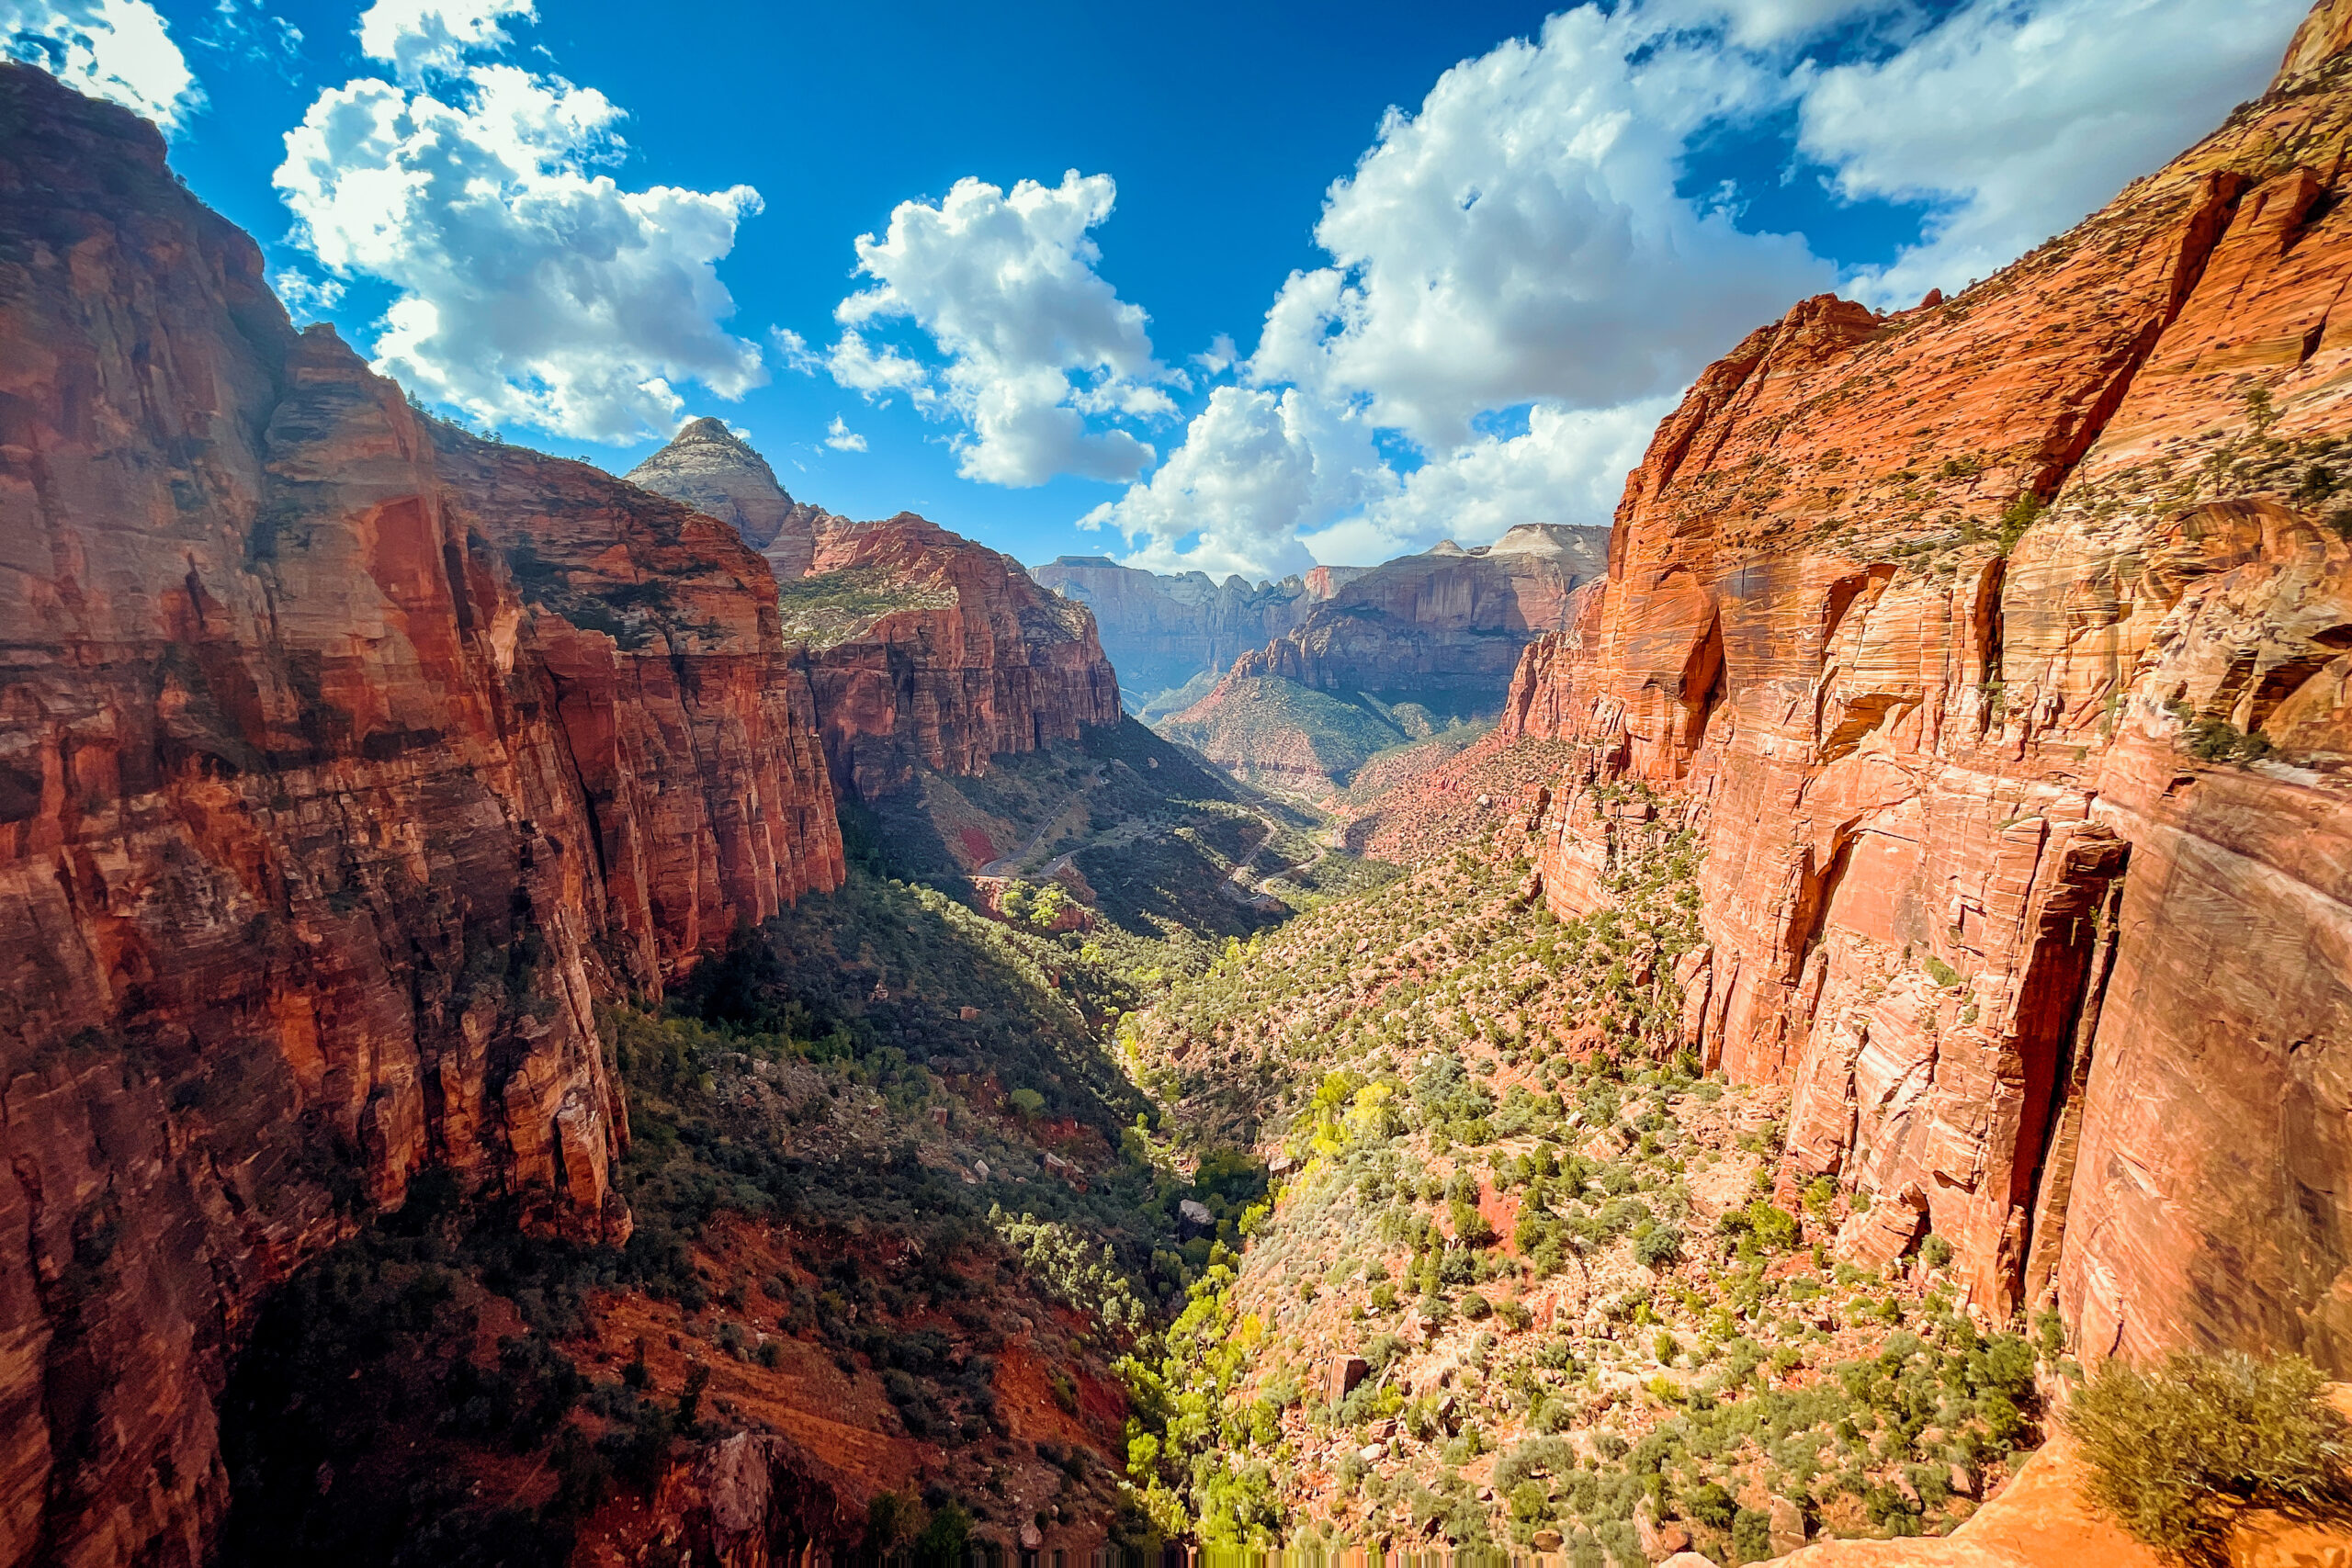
[(1383, 1216)]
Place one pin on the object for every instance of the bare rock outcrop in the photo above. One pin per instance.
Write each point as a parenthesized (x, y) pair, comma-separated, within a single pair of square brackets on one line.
[(715, 472), (927, 650), (2001, 651), (343, 763), (1444, 628)]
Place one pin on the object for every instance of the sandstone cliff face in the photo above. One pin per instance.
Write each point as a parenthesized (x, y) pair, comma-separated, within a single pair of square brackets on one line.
[(322, 826), (715, 472), (1161, 631), (1945, 629), (928, 651), (1444, 628)]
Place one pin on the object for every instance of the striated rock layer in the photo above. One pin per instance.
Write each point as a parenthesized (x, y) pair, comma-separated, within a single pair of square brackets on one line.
[(714, 471), (949, 654), (1948, 630), (1444, 628), (1162, 631), (345, 762)]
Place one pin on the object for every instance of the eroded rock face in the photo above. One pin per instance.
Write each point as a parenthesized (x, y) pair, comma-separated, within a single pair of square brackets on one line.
[(715, 472), (1444, 628), (1941, 628), (1161, 631), (344, 763), (959, 656)]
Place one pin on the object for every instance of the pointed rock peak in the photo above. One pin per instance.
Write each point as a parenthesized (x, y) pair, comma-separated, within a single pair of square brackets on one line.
[(714, 471), (714, 431), (1448, 548)]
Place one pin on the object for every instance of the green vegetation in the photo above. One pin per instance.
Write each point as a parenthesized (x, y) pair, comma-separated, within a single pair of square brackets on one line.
[(1442, 1051), (2175, 1452), (1285, 735), (831, 607)]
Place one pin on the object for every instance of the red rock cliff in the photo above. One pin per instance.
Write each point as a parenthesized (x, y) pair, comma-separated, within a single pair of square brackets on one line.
[(929, 651), (322, 825), (1946, 630), (1444, 628)]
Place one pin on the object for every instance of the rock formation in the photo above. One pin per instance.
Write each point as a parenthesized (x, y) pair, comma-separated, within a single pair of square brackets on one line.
[(1444, 628), (346, 763), (2000, 650), (715, 472), (1162, 631), (928, 651)]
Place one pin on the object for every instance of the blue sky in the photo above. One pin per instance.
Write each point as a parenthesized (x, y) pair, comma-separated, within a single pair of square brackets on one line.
[(1241, 317)]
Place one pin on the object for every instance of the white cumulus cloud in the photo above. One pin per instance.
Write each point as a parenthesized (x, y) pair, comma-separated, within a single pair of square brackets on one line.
[(532, 288), (1568, 466), (2022, 117), (1257, 469), (1035, 342), (1518, 238), (117, 50), (418, 37), (841, 439)]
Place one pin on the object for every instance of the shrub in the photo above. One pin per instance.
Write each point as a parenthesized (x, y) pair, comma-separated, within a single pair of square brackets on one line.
[(1751, 1536), (1659, 1246), (2177, 1452), (1711, 1505)]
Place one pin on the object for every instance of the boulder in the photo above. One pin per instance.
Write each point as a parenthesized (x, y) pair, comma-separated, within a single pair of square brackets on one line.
[(1788, 1527)]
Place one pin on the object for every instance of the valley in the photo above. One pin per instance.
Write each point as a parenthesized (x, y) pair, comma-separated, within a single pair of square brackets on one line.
[(556, 1018)]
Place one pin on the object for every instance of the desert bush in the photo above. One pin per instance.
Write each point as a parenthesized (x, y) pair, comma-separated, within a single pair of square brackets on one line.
[(2175, 1452)]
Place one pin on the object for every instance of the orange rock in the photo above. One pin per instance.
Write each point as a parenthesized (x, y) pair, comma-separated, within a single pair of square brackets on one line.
[(345, 761), (1969, 892), (2041, 1519), (987, 663)]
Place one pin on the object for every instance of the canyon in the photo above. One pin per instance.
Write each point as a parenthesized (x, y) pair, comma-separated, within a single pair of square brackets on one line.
[(1997, 650), (714, 1015), (1394, 652), (1164, 630), (352, 762), (1444, 628)]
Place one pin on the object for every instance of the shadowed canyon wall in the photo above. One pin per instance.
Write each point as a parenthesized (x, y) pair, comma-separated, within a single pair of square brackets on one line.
[(1999, 651), (346, 761)]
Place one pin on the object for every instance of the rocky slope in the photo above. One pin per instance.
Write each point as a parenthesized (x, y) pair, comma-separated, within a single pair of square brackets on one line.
[(346, 763), (1998, 650), (715, 472), (1161, 631), (1390, 657), (928, 651), (1444, 628)]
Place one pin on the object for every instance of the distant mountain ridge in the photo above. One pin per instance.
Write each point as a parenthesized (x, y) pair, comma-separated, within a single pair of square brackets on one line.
[(1393, 654), (1164, 629)]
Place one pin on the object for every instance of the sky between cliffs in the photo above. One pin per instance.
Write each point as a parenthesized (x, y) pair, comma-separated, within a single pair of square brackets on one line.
[(1242, 290)]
